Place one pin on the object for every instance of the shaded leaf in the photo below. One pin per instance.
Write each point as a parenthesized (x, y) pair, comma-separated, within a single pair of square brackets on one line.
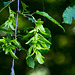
[(6, 6), (29, 50), (30, 62), (46, 33), (69, 14), (6, 3), (24, 6), (7, 31), (25, 29), (44, 49), (31, 19), (26, 36)]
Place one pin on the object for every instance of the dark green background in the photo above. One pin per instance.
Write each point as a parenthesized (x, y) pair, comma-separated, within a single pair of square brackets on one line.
[(60, 60)]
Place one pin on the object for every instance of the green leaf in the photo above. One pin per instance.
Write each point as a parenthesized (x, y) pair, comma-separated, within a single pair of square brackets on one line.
[(26, 12), (29, 50), (4, 48), (25, 29), (30, 40), (49, 36), (7, 31), (2, 40), (31, 19), (27, 36), (6, 51), (42, 49), (39, 25), (39, 21), (12, 27), (68, 15), (12, 13), (16, 43), (42, 44), (13, 71), (30, 62), (13, 55), (10, 23), (44, 33), (48, 32), (49, 17), (6, 6), (2, 25), (39, 57), (6, 3), (32, 31), (24, 6), (44, 39)]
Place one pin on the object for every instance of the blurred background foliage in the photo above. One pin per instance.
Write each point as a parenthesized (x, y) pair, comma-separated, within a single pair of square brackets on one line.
[(60, 60)]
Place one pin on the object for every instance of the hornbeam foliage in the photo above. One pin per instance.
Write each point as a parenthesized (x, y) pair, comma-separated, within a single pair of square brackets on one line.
[(38, 38)]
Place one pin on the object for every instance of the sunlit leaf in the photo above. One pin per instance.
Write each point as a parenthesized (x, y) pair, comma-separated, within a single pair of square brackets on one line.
[(30, 40), (39, 25), (42, 44), (12, 27), (10, 23), (13, 55), (39, 57), (49, 17), (6, 51), (42, 48), (44, 39), (16, 43), (2, 40)]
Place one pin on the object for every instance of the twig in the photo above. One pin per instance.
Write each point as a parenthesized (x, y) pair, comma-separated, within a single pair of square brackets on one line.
[(15, 37), (26, 15), (7, 5), (43, 4)]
